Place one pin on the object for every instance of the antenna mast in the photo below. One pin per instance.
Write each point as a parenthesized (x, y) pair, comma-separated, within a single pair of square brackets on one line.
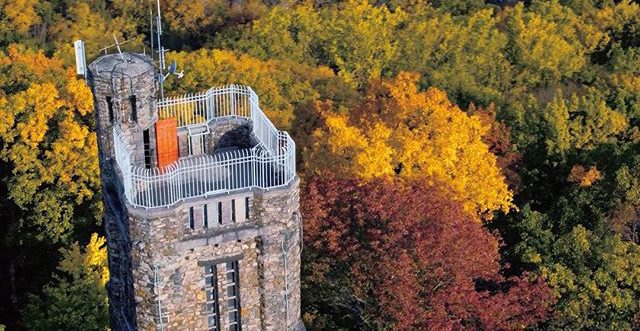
[(173, 68), (160, 50), (151, 30)]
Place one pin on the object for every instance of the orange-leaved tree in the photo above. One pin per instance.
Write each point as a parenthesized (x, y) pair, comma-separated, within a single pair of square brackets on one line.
[(398, 130)]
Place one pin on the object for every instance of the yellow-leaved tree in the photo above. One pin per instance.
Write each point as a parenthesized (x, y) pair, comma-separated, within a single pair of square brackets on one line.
[(548, 41), (48, 152), (19, 15), (77, 300), (81, 21), (581, 123), (398, 130), (280, 85)]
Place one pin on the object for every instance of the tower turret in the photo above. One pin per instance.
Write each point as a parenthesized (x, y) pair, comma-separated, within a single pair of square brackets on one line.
[(125, 97), (201, 205)]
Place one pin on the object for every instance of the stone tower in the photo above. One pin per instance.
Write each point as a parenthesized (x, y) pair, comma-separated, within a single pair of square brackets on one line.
[(200, 205)]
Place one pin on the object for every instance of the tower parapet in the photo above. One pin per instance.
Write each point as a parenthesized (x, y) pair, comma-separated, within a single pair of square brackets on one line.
[(201, 205)]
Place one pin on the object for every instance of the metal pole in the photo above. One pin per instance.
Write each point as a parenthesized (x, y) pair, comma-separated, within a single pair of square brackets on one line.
[(156, 281), (160, 50), (285, 249), (151, 30)]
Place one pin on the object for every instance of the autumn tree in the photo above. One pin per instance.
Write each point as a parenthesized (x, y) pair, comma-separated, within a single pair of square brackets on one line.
[(97, 30), (464, 56), (192, 22), (458, 7), (592, 273), (548, 41), (359, 52), (47, 143), (498, 139), (77, 299), (582, 236), (625, 198), (281, 85), (621, 23), (582, 122), (399, 130), (16, 18), (49, 169), (390, 254), (584, 177), (284, 33), (328, 36), (53, 26)]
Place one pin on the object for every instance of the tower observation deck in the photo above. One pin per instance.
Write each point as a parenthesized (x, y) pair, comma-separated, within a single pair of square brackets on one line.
[(225, 144)]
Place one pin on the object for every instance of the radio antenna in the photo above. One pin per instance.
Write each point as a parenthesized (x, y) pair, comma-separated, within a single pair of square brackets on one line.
[(104, 49), (151, 30), (118, 46), (160, 49), (173, 68)]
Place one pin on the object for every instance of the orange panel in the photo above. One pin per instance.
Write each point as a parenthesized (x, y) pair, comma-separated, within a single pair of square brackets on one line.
[(167, 141)]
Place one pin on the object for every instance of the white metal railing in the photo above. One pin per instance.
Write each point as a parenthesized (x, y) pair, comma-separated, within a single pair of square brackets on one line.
[(220, 102), (270, 164), (196, 108)]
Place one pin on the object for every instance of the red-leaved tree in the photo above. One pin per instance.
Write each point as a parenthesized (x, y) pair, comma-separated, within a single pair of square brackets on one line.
[(388, 254)]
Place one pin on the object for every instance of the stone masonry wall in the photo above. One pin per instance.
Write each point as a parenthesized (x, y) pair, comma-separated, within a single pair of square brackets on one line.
[(224, 133), (165, 239), (113, 79), (280, 258), (233, 132)]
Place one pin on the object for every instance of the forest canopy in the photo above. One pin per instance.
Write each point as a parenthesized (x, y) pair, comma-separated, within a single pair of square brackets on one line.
[(492, 146)]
